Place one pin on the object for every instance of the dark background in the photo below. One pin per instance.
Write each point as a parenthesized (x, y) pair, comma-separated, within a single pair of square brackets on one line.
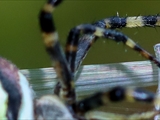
[(21, 42)]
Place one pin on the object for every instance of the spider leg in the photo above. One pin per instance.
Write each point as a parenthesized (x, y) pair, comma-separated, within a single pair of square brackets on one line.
[(73, 40), (15, 93), (135, 21), (98, 115), (116, 94), (86, 41), (50, 37)]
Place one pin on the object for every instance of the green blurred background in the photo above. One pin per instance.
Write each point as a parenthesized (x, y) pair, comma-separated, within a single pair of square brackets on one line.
[(21, 42)]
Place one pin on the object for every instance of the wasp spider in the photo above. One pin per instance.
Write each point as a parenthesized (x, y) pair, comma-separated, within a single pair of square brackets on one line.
[(16, 98)]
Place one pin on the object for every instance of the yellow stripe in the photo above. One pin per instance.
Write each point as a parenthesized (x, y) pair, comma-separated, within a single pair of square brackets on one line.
[(48, 8), (134, 21), (158, 21), (157, 102), (129, 95), (72, 84), (145, 54), (105, 99), (107, 23), (130, 43), (71, 48), (50, 38), (99, 32)]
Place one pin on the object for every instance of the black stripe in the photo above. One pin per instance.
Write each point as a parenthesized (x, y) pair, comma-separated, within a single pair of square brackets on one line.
[(57, 89), (117, 94), (100, 23), (138, 48), (87, 28), (89, 103), (156, 62), (55, 2), (116, 36), (114, 22), (149, 21), (117, 22), (46, 22), (73, 39)]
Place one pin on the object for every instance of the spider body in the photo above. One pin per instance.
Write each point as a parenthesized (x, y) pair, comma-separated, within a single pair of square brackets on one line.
[(63, 104)]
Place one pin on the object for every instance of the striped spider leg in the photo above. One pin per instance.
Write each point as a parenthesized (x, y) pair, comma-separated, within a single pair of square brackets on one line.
[(86, 41), (65, 68), (51, 107), (53, 48), (118, 37), (106, 33), (16, 101), (87, 106)]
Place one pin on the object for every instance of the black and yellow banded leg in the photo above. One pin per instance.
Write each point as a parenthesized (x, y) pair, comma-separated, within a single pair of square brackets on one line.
[(130, 22), (116, 94), (99, 115), (73, 40), (50, 37), (86, 41)]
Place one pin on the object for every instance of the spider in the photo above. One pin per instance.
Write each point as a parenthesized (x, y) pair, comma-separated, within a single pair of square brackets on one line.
[(17, 101)]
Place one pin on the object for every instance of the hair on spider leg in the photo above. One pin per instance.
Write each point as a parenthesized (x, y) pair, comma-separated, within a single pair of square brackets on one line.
[(135, 33), (137, 16), (125, 50), (117, 14), (155, 29)]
